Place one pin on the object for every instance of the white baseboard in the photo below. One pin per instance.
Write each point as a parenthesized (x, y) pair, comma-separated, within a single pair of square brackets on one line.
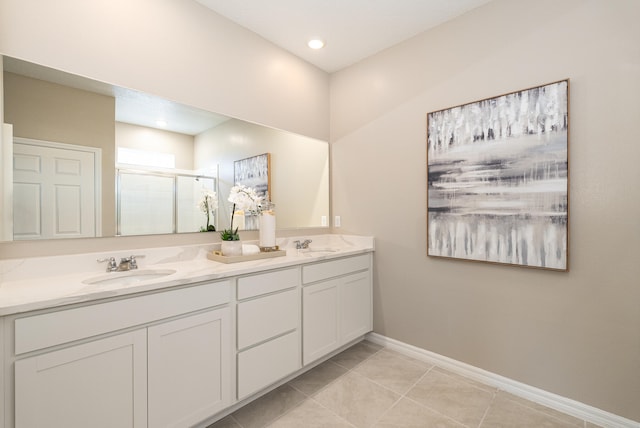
[(554, 401)]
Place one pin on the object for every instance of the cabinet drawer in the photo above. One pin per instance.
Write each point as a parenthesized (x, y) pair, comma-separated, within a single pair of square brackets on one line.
[(256, 285), (266, 317), (325, 270), (55, 328), (265, 364)]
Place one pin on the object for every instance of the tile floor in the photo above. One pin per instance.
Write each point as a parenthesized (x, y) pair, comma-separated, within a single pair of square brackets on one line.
[(371, 386)]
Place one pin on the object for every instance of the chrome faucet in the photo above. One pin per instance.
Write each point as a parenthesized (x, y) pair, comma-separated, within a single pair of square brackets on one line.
[(111, 263), (126, 263), (303, 245)]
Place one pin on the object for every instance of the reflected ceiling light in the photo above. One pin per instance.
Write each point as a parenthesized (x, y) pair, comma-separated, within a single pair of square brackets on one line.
[(161, 123), (316, 44)]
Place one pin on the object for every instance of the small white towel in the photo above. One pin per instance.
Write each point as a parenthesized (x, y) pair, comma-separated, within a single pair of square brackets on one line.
[(248, 249)]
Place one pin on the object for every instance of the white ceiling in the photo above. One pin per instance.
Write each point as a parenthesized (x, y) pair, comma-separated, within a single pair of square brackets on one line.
[(352, 29)]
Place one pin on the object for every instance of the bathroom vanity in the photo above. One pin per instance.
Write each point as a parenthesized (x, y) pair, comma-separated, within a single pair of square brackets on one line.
[(178, 349)]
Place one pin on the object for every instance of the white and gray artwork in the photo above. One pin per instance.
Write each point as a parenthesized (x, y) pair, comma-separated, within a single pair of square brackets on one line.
[(253, 172), (498, 179)]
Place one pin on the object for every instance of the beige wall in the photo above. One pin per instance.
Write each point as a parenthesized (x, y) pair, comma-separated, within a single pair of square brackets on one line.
[(157, 140), (299, 168), (50, 112), (576, 334), (177, 49)]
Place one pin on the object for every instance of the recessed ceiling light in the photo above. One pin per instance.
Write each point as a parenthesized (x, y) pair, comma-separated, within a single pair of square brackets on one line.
[(161, 123), (316, 44)]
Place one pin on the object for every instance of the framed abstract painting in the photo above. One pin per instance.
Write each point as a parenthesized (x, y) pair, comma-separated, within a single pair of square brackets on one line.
[(254, 172), (498, 179)]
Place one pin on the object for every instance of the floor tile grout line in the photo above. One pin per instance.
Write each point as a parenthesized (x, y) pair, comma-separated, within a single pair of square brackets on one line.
[(405, 360), (358, 364), (404, 395), (325, 386), (331, 411), (269, 422), (471, 382), (310, 397), (419, 379), (386, 387), (302, 403), (400, 397), (236, 421), (486, 411), (348, 372), (583, 422), (435, 411)]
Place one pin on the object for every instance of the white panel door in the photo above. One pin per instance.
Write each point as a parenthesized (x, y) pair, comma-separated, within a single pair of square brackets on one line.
[(189, 369), (100, 384), (54, 192)]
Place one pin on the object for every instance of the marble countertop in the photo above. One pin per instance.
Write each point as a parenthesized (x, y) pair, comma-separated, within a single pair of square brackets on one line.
[(46, 282)]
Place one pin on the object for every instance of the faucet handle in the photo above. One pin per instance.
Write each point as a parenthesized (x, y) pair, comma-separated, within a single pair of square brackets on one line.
[(111, 263), (132, 261), (302, 245)]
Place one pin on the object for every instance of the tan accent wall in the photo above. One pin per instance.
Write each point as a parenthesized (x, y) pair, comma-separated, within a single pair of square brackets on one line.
[(576, 334), (47, 111)]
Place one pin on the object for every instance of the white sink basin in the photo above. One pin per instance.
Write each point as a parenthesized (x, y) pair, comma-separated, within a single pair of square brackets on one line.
[(317, 251), (128, 277)]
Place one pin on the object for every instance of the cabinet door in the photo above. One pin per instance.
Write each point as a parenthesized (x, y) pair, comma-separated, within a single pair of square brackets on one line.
[(320, 319), (96, 384), (355, 306), (189, 369)]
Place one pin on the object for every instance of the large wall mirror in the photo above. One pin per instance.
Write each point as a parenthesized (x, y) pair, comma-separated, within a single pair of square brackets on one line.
[(91, 159)]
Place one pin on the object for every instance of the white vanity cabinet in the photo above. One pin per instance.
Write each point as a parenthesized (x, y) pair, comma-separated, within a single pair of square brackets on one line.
[(336, 304), (268, 328), (156, 360), (182, 355)]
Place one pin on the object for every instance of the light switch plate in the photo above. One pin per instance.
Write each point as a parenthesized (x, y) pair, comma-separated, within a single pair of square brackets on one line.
[(337, 222)]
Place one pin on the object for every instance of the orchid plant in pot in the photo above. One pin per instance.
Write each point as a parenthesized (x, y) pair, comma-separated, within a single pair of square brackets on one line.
[(208, 204), (245, 199)]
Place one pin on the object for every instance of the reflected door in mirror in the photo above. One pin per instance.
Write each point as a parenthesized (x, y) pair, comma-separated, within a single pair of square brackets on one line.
[(54, 191)]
